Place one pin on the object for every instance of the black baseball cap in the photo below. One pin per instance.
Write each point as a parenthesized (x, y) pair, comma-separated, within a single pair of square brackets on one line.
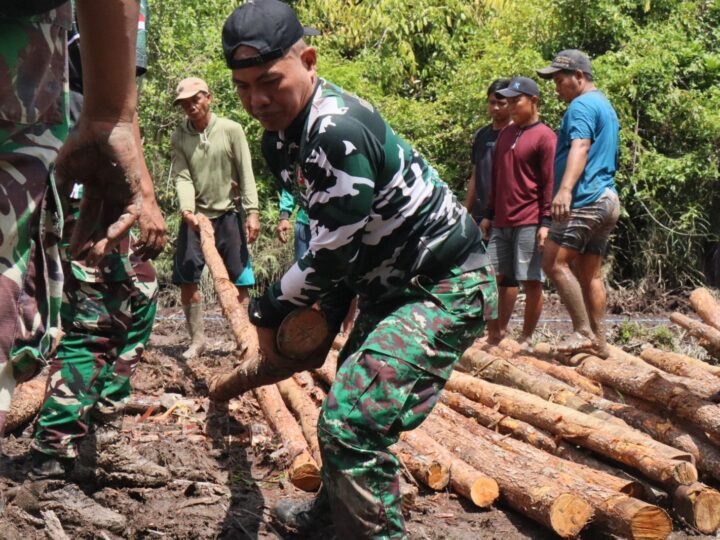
[(568, 60), (270, 26), (520, 85)]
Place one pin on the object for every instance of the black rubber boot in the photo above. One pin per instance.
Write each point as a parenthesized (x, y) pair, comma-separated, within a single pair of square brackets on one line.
[(303, 514), (45, 466)]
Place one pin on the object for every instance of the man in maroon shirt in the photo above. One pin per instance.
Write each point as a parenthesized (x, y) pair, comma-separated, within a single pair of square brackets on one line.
[(517, 217)]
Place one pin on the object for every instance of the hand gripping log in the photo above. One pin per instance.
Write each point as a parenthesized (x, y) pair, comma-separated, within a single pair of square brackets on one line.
[(302, 340)]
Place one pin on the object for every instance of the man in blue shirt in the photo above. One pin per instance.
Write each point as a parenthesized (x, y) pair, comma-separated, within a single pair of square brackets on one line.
[(585, 205)]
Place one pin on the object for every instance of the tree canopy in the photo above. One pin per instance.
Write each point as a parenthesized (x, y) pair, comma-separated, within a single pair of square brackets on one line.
[(425, 64)]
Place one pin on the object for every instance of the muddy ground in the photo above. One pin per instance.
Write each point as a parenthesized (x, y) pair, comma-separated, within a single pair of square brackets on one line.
[(227, 469)]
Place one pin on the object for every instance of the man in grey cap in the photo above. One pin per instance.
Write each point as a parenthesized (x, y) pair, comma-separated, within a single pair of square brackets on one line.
[(585, 204), (384, 227), (213, 170)]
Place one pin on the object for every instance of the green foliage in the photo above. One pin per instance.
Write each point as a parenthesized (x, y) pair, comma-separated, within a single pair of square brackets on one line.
[(426, 65)]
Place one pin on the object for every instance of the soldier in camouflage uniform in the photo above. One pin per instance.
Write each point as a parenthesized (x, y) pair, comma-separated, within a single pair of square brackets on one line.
[(33, 126), (383, 226), (107, 313)]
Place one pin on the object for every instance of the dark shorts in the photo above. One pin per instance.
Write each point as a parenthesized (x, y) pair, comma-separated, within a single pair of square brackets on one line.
[(588, 229), (230, 243)]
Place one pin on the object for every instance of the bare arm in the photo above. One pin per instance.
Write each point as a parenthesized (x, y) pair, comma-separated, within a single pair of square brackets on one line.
[(577, 159), (470, 197)]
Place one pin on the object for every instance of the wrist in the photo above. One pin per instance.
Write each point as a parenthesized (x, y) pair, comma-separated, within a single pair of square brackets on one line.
[(284, 216)]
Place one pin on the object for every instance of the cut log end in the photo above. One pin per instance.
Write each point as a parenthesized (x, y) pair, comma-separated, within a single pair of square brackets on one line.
[(438, 477), (685, 473), (699, 506), (650, 523), (484, 491), (569, 514), (301, 333), (305, 474)]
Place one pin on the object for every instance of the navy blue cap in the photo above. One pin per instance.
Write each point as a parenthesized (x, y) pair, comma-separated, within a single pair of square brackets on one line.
[(518, 86), (270, 26), (568, 60)]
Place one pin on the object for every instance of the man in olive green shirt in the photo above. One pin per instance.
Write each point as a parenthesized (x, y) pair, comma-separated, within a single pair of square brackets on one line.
[(213, 170)]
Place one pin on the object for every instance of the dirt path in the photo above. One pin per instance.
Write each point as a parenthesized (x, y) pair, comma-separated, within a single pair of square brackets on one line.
[(227, 468)]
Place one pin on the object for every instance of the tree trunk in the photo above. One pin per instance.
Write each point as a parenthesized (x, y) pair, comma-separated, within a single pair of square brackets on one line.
[(539, 439), (685, 366), (243, 331), (327, 371), (699, 506), (658, 462), (306, 412), (642, 415), (523, 486), (563, 373), (625, 516), (426, 469), (464, 479), (649, 384), (709, 336), (529, 379), (706, 306), (26, 402), (303, 472)]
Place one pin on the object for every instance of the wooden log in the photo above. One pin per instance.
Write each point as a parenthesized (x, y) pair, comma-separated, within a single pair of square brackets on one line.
[(705, 305), (648, 383), (709, 336), (243, 331), (305, 411), (431, 472), (301, 333), (643, 416), (564, 373), (303, 472), (680, 364), (699, 506), (464, 479), (624, 516), (306, 381), (656, 461), (529, 379), (26, 402), (522, 486), (539, 439), (327, 371)]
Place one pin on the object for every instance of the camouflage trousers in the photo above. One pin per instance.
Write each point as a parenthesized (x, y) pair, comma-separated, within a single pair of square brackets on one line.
[(393, 368), (107, 326)]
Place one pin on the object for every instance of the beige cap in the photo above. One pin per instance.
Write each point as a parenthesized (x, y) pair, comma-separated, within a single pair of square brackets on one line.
[(189, 87)]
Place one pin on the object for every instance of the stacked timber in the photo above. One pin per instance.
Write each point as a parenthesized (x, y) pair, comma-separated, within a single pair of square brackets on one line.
[(570, 442)]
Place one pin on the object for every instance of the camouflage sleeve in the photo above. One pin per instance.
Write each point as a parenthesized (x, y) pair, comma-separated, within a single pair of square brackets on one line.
[(183, 180), (343, 161)]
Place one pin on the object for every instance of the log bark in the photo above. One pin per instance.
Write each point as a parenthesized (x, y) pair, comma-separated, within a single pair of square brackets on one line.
[(625, 516), (563, 373), (649, 384), (303, 472), (522, 486), (699, 506), (539, 439), (529, 379), (680, 364), (431, 472), (243, 331), (642, 416), (709, 336), (656, 461), (326, 372), (26, 402), (706, 306), (464, 479), (306, 381), (306, 412)]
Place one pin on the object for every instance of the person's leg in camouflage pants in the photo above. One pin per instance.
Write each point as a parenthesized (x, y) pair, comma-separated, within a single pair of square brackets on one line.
[(107, 325), (395, 366)]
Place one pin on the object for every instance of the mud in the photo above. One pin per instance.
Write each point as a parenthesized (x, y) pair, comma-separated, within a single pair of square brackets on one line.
[(227, 469)]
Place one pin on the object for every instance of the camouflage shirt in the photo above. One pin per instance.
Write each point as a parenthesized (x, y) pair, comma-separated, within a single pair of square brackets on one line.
[(379, 213)]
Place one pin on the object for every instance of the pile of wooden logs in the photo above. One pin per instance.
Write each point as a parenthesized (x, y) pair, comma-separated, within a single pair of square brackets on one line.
[(624, 444)]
